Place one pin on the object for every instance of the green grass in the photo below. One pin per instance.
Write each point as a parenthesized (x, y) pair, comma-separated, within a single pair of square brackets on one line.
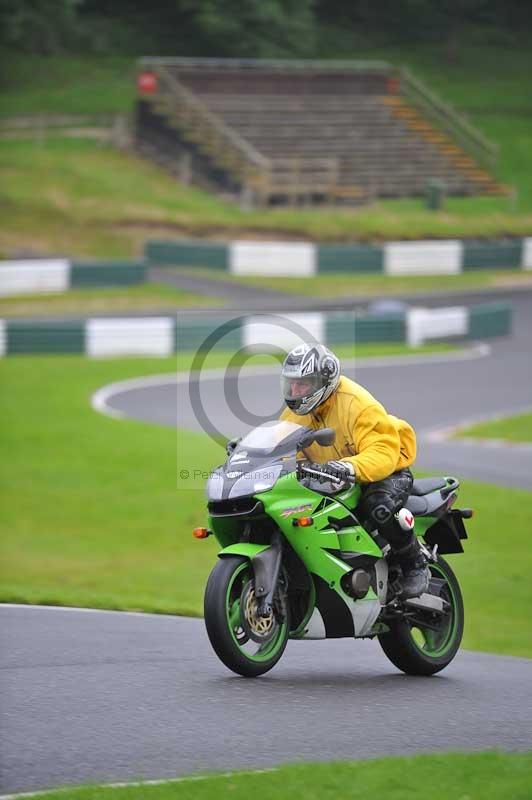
[(97, 201), (342, 284), (92, 514), (66, 85), (453, 776), (142, 297), (511, 429)]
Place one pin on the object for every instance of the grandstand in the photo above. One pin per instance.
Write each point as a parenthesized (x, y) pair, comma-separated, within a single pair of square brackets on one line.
[(306, 131)]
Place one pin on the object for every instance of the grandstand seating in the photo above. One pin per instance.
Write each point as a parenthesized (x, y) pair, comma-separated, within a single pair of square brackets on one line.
[(307, 131)]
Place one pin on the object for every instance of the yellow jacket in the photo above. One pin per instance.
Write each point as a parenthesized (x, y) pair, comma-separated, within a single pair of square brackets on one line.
[(375, 442)]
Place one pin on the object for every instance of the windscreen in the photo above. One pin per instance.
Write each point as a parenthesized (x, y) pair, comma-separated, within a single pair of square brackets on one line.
[(270, 435)]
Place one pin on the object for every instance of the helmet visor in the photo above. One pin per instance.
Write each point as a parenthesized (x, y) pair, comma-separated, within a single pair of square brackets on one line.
[(294, 388)]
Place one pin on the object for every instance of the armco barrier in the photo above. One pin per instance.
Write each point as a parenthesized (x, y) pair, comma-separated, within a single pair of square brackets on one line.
[(106, 273), (44, 276), (162, 336), (497, 255), (491, 319), (291, 259), (350, 258), (432, 257), (188, 253)]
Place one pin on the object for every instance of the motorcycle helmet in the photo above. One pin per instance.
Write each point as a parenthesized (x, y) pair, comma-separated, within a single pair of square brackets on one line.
[(310, 374)]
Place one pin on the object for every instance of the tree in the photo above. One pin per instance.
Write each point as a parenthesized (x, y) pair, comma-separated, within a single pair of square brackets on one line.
[(254, 28), (39, 26)]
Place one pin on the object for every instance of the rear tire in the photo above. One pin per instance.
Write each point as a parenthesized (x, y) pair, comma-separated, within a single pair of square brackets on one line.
[(421, 651), (230, 581)]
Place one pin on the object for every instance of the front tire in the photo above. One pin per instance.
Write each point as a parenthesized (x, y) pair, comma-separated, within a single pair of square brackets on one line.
[(248, 645), (424, 650)]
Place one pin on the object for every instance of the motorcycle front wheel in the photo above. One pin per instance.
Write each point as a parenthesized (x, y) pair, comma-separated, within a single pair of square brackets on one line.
[(247, 644), (424, 645)]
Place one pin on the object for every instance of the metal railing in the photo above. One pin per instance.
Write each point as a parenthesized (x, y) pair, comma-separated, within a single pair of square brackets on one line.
[(300, 177), (210, 133), (447, 118), (153, 62)]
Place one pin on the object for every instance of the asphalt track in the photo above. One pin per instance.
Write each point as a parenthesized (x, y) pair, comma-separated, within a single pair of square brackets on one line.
[(433, 395), (104, 696)]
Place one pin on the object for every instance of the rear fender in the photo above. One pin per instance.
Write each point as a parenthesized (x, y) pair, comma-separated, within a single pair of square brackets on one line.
[(447, 532)]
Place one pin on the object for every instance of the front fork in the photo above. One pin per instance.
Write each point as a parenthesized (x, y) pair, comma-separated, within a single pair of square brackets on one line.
[(266, 568)]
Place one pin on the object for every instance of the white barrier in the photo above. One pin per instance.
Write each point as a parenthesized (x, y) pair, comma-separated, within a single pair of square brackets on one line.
[(34, 276), (527, 253), (3, 338), (151, 336), (262, 333), (423, 258), (435, 323), (291, 259)]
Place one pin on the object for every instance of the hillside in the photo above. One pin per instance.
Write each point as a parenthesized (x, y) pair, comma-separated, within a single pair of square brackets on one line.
[(93, 200)]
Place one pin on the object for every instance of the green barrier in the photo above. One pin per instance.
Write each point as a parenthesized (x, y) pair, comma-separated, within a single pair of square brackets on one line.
[(491, 319), (350, 258), (107, 273), (492, 255), (191, 335), (188, 254), (45, 337), (380, 328), (363, 328), (340, 329)]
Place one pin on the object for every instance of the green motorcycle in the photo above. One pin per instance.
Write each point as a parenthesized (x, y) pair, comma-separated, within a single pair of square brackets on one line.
[(296, 564)]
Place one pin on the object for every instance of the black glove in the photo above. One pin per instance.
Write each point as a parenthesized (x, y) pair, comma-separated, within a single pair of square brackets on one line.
[(338, 470), (231, 445)]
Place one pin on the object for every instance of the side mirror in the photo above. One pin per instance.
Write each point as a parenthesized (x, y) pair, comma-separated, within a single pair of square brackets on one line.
[(324, 437)]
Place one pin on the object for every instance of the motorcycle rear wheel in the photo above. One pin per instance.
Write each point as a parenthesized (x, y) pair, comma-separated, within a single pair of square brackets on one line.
[(419, 650), (247, 645)]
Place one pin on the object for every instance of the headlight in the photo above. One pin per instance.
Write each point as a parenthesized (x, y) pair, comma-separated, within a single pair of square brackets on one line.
[(215, 485), (260, 480)]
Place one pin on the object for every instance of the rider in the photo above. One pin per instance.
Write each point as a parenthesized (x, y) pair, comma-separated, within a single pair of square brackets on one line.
[(371, 445)]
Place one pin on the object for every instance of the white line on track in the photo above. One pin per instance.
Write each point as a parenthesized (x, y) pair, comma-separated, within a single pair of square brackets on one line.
[(158, 782), (94, 611), (100, 400)]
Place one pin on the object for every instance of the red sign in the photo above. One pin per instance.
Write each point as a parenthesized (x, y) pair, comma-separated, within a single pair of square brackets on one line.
[(147, 83), (393, 85)]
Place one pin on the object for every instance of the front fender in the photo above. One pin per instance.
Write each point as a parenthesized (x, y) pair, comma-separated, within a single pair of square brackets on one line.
[(245, 549)]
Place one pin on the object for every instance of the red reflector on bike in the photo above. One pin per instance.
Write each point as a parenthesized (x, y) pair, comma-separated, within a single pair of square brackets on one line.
[(200, 533), (304, 522)]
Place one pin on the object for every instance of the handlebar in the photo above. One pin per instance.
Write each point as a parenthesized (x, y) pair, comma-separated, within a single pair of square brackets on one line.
[(323, 476)]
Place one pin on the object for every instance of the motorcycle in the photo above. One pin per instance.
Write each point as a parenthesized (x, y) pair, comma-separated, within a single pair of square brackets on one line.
[(296, 563)]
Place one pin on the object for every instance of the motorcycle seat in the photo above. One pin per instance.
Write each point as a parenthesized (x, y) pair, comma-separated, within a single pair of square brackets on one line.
[(427, 505), (423, 486)]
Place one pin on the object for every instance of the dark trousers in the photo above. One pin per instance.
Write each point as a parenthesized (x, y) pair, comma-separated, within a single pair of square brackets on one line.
[(377, 506)]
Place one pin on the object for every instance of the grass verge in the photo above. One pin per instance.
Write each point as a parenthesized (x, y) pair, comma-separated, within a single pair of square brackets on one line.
[(471, 776), (66, 85), (185, 359), (342, 284), (144, 297), (91, 514), (97, 201), (511, 429)]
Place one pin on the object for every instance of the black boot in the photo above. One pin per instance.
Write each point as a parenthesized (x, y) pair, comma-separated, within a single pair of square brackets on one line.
[(416, 574)]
